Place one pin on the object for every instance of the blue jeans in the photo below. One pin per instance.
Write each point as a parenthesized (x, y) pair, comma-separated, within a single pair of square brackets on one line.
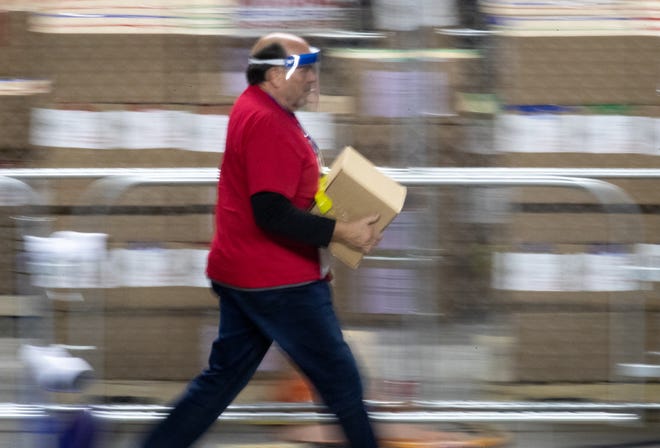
[(301, 319)]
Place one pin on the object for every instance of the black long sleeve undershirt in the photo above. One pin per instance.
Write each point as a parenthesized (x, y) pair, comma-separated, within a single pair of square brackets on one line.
[(274, 213)]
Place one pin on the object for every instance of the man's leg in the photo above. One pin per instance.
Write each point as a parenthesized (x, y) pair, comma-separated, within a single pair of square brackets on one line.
[(303, 322), (235, 355)]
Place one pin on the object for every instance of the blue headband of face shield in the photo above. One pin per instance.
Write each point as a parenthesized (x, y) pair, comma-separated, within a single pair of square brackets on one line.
[(291, 62)]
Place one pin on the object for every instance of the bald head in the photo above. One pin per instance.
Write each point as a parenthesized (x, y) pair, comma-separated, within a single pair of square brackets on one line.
[(291, 43)]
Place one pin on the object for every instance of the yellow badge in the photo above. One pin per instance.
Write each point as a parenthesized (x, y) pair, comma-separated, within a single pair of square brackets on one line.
[(323, 201)]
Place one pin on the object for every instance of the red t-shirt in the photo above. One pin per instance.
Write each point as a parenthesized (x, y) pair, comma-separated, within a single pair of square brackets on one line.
[(266, 150)]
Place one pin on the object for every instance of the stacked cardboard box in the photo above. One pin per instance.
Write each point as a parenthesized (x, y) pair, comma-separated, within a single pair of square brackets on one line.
[(563, 347), (17, 98), (203, 17), (576, 98), (17, 89), (405, 103), (14, 133), (102, 68), (142, 342), (127, 72), (578, 70), (124, 135), (194, 66), (583, 270), (138, 68), (128, 322), (593, 98), (575, 311), (8, 253), (15, 44)]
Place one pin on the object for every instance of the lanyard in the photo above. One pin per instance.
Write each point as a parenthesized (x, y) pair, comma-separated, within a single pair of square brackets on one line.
[(323, 201)]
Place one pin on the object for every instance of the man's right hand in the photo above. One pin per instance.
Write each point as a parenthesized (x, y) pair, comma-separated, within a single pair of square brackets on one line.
[(361, 234)]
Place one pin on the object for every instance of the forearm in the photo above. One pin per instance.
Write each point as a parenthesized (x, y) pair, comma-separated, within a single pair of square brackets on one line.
[(277, 215)]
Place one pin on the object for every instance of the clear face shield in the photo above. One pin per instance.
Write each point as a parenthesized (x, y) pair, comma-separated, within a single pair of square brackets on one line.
[(302, 74)]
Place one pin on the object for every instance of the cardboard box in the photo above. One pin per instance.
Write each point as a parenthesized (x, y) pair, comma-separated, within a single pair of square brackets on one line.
[(357, 189), (433, 141), (420, 82), (112, 68), (573, 228), (577, 70), (17, 97), (566, 347), (15, 44), (130, 342)]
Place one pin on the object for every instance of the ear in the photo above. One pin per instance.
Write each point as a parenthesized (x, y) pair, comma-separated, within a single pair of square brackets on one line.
[(276, 75)]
